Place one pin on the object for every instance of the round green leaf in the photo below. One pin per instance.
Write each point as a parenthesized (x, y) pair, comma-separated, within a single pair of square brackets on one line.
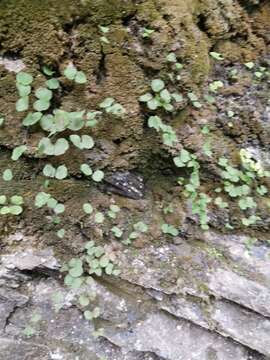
[(61, 172), (43, 94), (24, 90), (16, 200), (80, 78), (41, 105), (84, 301), (5, 210), (153, 104), (157, 85), (87, 142), (22, 104), (76, 271), (46, 147), (59, 208), (70, 72), (52, 203), (3, 199), (53, 84), (98, 175), (99, 218), (60, 147), (24, 78), (61, 233), (49, 170), (7, 175), (86, 169), (87, 208)]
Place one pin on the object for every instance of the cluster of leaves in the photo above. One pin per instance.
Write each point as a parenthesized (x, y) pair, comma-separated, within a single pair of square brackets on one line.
[(23, 84), (112, 107), (31, 328), (93, 262), (104, 30), (45, 199), (198, 199), (169, 229), (169, 137), (242, 183), (161, 98), (12, 206), (175, 66), (138, 228)]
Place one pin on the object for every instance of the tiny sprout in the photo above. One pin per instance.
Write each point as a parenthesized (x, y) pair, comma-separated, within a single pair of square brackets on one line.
[(147, 33), (250, 65), (216, 55)]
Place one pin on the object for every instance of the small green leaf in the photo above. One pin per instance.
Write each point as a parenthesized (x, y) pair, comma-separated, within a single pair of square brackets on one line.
[(99, 218), (43, 94), (80, 78), (153, 104), (7, 175), (15, 209), (22, 104), (98, 175), (23, 90), (49, 170), (157, 85), (104, 29), (3, 199), (165, 95), (216, 56), (146, 97), (17, 152), (116, 231), (70, 72), (16, 200), (53, 84), (140, 226), (76, 271), (29, 331), (2, 120), (61, 172), (155, 122), (61, 233), (250, 65), (32, 118), (47, 71), (86, 169), (106, 103), (24, 78), (84, 300), (41, 199), (88, 208), (88, 315), (171, 57), (59, 209), (104, 39), (41, 105)]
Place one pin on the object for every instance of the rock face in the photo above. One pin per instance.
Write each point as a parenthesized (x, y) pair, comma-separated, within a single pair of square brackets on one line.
[(197, 295)]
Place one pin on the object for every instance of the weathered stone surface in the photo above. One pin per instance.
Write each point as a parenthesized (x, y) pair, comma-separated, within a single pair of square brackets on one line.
[(197, 296)]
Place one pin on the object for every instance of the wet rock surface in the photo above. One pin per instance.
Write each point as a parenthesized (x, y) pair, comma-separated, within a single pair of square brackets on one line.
[(201, 295)]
